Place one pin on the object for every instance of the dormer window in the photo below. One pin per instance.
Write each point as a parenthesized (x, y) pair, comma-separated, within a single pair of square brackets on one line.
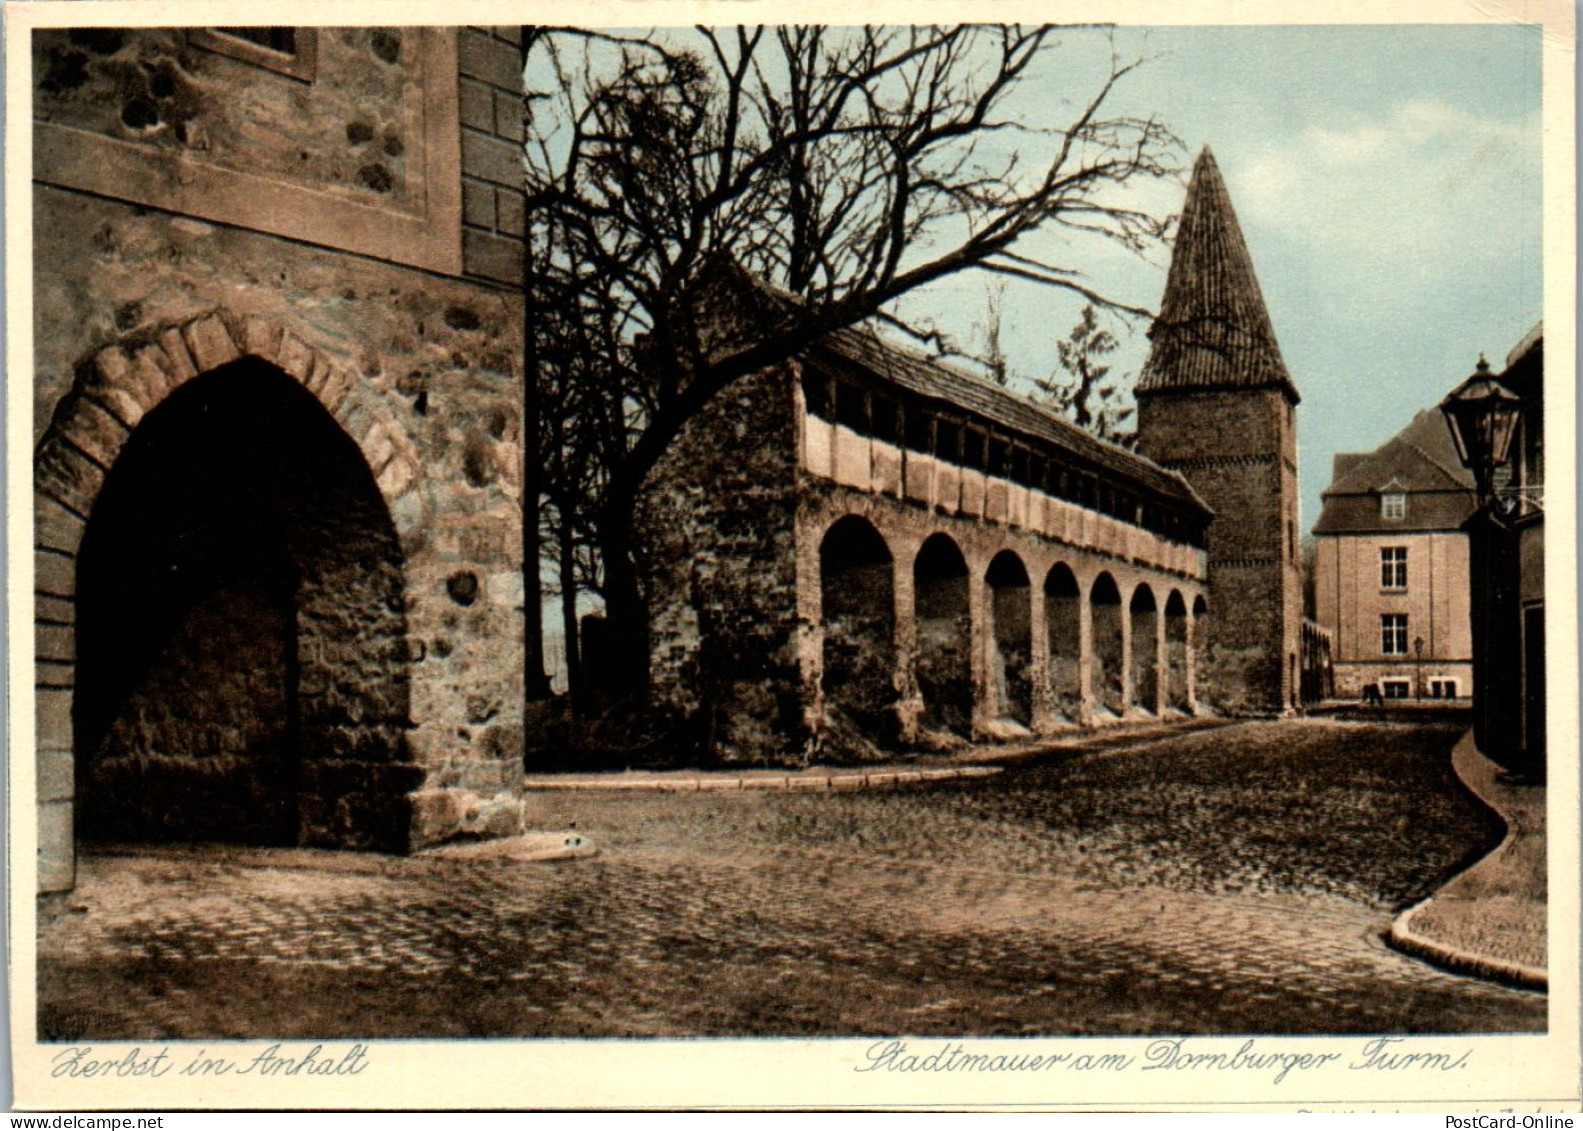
[(1393, 505)]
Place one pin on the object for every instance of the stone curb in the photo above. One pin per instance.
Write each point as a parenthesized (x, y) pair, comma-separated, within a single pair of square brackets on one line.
[(527, 848), (800, 781), (1402, 937), (1108, 740)]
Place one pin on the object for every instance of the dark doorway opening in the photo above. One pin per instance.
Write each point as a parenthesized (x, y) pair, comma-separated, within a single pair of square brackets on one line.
[(943, 665), (240, 663)]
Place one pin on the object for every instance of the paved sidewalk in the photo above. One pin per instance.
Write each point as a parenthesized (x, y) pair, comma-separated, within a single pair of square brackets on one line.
[(970, 762), (1490, 920)]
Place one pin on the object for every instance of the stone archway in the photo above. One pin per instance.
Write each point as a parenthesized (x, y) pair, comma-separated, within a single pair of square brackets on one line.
[(858, 611), (1144, 615), (1063, 612), (1011, 638), (239, 628), (352, 778), (1108, 650), (1176, 693), (943, 663), (1200, 646)]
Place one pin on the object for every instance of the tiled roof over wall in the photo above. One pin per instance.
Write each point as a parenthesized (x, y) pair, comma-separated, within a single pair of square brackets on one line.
[(974, 396), (1213, 331)]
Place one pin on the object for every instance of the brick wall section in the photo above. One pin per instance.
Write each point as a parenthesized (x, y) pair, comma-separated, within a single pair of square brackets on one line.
[(490, 62), (1349, 602), (719, 534), (1238, 448)]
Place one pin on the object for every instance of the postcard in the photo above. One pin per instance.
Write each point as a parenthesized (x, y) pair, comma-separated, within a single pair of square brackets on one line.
[(713, 555)]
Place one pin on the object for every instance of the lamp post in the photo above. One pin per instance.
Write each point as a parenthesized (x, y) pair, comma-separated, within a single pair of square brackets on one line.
[(1418, 662), (1482, 415)]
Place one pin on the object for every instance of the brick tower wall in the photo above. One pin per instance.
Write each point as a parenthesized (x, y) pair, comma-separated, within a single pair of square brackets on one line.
[(1238, 448)]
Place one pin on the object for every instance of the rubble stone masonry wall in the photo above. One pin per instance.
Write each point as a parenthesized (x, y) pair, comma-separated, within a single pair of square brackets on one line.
[(720, 559)]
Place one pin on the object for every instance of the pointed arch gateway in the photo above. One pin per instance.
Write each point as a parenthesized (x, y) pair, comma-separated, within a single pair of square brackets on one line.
[(219, 600)]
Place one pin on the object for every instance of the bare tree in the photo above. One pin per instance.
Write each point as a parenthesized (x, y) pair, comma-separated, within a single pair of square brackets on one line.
[(993, 357), (837, 169), (1087, 395)]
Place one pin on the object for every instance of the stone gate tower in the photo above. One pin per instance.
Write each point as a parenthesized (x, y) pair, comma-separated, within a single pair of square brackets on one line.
[(1216, 403)]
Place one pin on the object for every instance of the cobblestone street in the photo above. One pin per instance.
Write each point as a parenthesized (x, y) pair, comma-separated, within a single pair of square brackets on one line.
[(1222, 881)]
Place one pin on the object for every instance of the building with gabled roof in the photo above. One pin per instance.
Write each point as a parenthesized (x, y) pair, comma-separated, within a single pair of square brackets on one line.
[(1217, 405), (1391, 566)]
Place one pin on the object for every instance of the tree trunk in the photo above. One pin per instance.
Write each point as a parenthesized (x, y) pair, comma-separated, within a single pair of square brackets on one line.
[(574, 673), (626, 612)]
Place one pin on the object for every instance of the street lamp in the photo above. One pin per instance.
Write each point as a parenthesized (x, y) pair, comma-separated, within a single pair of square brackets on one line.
[(1482, 415), (1418, 653)]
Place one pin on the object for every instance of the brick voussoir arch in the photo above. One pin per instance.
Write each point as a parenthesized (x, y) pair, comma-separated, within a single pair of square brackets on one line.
[(123, 382)]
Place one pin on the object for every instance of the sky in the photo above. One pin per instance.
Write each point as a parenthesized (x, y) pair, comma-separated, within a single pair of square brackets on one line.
[(1387, 180)]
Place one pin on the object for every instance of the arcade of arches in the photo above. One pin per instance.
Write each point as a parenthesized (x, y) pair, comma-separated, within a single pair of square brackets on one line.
[(918, 636)]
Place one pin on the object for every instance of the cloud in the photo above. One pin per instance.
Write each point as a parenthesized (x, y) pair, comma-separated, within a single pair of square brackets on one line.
[(1426, 186)]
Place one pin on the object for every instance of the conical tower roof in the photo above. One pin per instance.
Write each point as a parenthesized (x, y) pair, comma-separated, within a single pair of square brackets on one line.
[(1213, 331)]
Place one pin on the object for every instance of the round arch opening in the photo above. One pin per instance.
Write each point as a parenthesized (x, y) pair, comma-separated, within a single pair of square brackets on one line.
[(1105, 610), (1176, 686), (942, 665), (1145, 614), (1011, 638), (1063, 613), (857, 592)]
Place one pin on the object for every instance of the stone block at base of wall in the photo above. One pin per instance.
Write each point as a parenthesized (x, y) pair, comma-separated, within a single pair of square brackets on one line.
[(56, 852), (441, 815)]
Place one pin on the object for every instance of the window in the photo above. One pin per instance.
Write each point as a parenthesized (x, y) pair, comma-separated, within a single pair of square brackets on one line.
[(973, 446), (884, 419), (1442, 689), (1393, 567), (289, 51), (1393, 634), (281, 39), (1393, 504), (1395, 688)]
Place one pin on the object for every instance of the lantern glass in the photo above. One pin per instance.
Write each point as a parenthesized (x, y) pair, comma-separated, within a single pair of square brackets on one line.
[(1482, 416)]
